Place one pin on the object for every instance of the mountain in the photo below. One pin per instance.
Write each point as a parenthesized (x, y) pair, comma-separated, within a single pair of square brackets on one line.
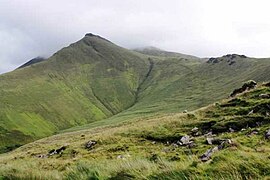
[(94, 82), (225, 140), (32, 61), (90, 80)]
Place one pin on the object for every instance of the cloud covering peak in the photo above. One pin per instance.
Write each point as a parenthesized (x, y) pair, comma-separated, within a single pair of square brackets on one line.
[(30, 28)]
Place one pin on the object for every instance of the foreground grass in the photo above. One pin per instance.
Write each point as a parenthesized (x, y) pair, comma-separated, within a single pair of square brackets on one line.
[(143, 149)]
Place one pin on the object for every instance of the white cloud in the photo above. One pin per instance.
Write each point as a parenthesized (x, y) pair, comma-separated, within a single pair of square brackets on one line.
[(30, 28)]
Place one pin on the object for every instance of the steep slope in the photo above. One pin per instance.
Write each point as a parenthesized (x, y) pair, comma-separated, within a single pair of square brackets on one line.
[(90, 80), (196, 145)]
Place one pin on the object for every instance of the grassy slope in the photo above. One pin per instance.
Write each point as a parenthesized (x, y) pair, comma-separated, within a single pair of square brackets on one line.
[(87, 81), (176, 84), (94, 79), (143, 159)]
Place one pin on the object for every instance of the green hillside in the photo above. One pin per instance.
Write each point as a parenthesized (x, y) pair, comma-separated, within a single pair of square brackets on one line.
[(90, 80), (225, 140), (177, 84), (94, 82)]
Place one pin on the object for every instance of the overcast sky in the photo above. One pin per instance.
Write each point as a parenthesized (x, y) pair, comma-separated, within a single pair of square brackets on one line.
[(205, 28)]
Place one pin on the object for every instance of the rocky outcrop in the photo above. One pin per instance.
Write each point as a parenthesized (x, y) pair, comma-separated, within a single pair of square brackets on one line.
[(229, 58), (246, 86)]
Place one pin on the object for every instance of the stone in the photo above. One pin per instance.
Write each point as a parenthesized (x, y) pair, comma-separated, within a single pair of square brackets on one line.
[(250, 112), (264, 96), (222, 144), (231, 130), (210, 140), (185, 140), (121, 157), (207, 155), (253, 132), (195, 132), (90, 144), (195, 129), (57, 151)]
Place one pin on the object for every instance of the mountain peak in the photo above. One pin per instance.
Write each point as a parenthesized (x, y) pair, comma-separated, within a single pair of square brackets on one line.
[(95, 36)]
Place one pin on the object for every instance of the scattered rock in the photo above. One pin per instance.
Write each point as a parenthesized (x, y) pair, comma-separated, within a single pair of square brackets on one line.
[(57, 151), (246, 86), (213, 60), (267, 134), (207, 155), (121, 157), (195, 129), (185, 111), (90, 144), (209, 134), (231, 130), (185, 140), (52, 152), (191, 144), (264, 96), (251, 112), (253, 132), (210, 140)]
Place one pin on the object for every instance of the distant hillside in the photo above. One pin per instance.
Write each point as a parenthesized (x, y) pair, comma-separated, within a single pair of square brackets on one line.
[(153, 51), (32, 61), (94, 82)]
